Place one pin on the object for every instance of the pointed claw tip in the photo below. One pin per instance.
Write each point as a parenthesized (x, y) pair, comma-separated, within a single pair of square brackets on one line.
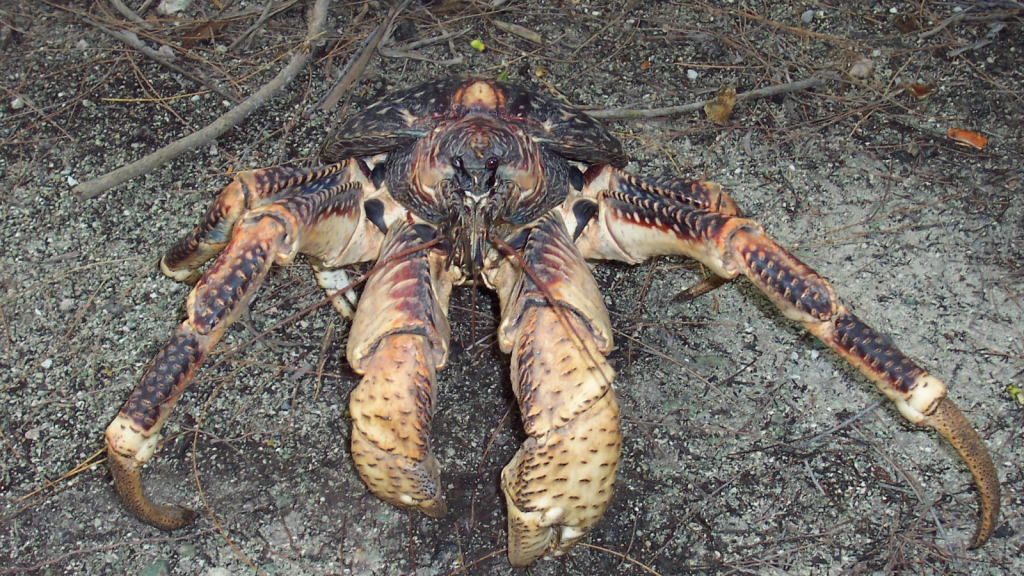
[(128, 485), (951, 424)]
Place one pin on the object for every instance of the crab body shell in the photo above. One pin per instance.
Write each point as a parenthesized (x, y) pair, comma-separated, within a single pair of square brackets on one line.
[(471, 180)]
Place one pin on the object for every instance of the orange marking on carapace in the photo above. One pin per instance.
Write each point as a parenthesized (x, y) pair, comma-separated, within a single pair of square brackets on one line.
[(479, 94)]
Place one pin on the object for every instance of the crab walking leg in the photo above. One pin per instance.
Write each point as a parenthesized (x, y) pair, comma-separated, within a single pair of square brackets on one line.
[(214, 303), (273, 233), (633, 224), (560, 481), (399, 339), (248, 191)]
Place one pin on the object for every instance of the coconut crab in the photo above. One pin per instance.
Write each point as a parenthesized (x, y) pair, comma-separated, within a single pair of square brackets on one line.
[(469, 180)]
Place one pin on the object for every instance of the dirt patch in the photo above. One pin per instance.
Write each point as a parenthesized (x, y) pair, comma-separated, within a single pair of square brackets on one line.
[(749, 448)]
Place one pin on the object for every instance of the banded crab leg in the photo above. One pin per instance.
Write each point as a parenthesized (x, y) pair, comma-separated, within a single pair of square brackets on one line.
[(560, 481), (399, 339), (263, 217), (619, 217)]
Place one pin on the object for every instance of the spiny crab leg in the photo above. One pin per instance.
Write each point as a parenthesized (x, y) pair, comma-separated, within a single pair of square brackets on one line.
[(248, 191), (215, 302), (635, 220), (399, 339), (560, 481), (297, 207)]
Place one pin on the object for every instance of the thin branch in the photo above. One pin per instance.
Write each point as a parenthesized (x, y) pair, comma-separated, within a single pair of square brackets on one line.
[(129, 14), (164, 60), (410, 50), (444, 36), (269, 12), (300, 57), (259, 22), (356, 66), (145, 8), (416, 55), (621, 113)]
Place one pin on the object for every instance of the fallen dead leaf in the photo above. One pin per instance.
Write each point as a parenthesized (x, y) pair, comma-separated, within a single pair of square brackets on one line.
[(919, 90), (204, 32), (719, 109), (517, 30), (862, 68), (907, 23), (965, 138)]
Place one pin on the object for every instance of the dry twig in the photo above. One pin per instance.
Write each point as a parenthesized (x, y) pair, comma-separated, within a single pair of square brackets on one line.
[(230, 119), (164, 60), (129, 14), (410, 50), (621, 113), (269, 11), (356, 66)]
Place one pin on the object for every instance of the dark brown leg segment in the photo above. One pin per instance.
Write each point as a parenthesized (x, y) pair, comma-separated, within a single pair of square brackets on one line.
[(634, 223)]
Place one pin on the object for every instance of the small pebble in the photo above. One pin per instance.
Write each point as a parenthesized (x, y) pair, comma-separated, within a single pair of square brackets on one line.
[(168, 7), (158, 568), (218, 572), (82, 44), (47, 364), (692, 74), (17, 103), (807, 17), (72, 181), (186, 551)]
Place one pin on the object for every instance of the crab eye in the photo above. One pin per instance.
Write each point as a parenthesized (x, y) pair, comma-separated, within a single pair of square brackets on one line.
[(457, 162), (492, 163)]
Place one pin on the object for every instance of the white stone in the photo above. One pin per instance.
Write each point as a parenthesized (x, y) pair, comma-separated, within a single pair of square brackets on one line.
[(168, 7), (166, 51)]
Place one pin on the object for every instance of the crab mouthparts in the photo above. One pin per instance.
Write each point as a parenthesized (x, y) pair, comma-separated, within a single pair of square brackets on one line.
[(475, 206), (475, 225)]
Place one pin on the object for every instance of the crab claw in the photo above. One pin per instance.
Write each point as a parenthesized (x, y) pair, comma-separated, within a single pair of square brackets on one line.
[(950, 423), (128, 484)]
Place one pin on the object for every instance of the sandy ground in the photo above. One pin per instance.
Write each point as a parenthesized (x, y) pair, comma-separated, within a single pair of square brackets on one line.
[(750, 449)]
